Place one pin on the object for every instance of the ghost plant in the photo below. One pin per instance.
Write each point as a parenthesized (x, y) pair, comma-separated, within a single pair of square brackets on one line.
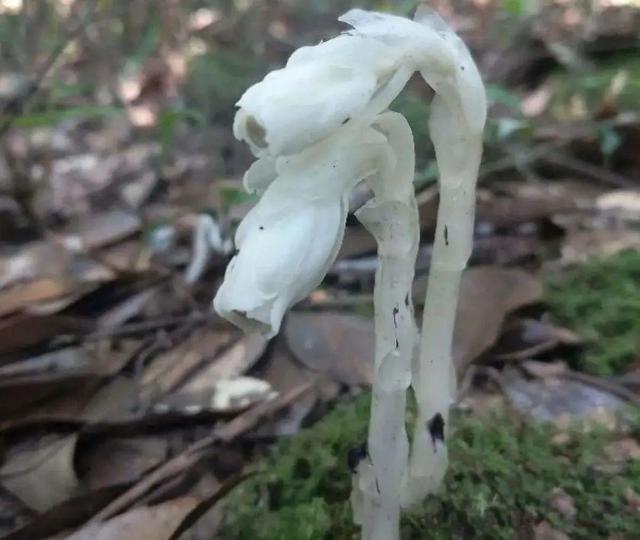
[(318, 127)]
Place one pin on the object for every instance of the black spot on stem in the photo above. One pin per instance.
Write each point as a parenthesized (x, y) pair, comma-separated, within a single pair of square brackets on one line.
[(261, 228), (406, 300), (436, 429), (396, 310), (446, 235), (356, 455)]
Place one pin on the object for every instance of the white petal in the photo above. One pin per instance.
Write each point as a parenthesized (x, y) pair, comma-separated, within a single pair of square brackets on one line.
[(321, 88), (279, 263), (295, 107), (260, 175), (417, 46), (288, 241), (430, 46)]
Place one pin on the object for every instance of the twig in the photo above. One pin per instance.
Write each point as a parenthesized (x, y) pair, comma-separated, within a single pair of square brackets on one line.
[(604, 384), (588, 169), (152, 325)]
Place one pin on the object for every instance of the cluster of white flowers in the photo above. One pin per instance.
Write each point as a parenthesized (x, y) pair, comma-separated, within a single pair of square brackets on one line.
[(310, 125), (319, 126)]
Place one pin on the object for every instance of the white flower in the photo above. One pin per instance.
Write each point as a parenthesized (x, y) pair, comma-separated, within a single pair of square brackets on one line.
[(320, 89), (310, 124), (288, 241), (356, 76)]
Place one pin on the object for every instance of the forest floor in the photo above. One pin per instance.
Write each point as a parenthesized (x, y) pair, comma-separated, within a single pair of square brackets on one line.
[(131, 411)]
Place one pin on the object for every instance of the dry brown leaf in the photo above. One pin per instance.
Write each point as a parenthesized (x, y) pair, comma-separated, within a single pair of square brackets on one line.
[(148, 523), (234, 361), (100, 230), (170, 369), (487, 295), (336, 344), (111, 461), (24, 295), (31, 389), (25, 330), (41, 473), (525, 338), (284, 374), (32, 261), (66, 515)]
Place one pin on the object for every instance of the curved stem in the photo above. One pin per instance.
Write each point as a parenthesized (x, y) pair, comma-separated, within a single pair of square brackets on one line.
[(458, 153), (392, 218)]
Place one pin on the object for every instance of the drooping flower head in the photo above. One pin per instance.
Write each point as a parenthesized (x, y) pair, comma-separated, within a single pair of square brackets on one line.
[(312, 126)]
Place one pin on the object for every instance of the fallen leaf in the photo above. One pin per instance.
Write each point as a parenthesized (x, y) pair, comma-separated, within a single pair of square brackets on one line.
[(234, 361), (559, 399), (147, 523), (25, 330), (127, 309), (284, 374), (66, 515), (42, 475), (100, 230), (32, 261), (112, 461), (168, 370), (487, 295), (31, 389), (204, 507), (526, 338), (23, 295), (337, 344)]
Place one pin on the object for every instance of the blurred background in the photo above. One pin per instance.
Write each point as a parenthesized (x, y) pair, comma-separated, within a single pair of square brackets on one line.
[(129, 410)]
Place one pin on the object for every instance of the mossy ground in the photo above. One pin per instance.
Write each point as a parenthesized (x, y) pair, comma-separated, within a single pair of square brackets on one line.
[(499, 484), (502, 471), (600, 300)]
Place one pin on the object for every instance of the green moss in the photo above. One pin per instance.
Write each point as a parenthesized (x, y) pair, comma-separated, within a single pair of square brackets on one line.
[(601, 301), (499, 483)]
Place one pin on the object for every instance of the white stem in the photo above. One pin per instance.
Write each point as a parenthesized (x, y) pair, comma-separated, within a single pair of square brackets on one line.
[(458, 153), (392, 218)]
